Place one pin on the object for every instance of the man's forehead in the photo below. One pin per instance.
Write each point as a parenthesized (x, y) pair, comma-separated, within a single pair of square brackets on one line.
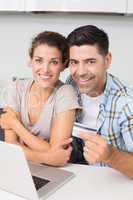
[(83, 52)]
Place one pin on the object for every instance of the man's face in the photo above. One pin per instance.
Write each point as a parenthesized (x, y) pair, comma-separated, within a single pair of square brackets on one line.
[(88, 68)]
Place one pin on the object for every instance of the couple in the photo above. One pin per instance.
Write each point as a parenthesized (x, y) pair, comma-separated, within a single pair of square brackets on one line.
[(40, 112)]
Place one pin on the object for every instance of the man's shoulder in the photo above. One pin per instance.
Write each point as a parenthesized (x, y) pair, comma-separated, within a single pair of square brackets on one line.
[(118, 87), (119, 91), (70, 81)]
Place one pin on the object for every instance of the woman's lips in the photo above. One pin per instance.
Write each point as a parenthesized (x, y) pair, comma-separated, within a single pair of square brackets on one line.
[(44, 77)]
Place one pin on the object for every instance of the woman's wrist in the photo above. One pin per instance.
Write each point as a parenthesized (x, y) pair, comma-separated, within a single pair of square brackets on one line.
[(15, 124)]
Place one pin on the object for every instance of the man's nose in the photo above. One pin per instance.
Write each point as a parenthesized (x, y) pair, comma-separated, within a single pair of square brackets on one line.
[(81, 69)]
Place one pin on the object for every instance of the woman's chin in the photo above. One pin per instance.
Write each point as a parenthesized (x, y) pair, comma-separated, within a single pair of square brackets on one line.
[(46, 86)]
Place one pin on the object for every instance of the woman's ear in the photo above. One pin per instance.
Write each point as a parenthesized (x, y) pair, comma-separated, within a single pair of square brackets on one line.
[(29, 63)]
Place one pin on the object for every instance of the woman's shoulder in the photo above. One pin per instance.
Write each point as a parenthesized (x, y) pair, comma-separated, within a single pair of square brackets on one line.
[(66, 93), (65, 89), (22, 84), (66, 99)]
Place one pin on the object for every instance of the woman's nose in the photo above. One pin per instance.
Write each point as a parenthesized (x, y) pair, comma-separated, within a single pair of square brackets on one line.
[(45, 67)]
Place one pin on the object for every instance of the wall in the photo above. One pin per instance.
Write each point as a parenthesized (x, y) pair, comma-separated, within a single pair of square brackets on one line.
[(16, 31)]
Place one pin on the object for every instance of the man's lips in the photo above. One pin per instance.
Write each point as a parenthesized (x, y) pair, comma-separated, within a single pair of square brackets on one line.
[(84, 80)]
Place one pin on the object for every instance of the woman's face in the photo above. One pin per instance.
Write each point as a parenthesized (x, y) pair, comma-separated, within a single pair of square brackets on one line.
[(46, 65)]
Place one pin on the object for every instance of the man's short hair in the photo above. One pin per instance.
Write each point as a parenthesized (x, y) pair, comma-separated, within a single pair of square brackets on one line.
[(89, 35)]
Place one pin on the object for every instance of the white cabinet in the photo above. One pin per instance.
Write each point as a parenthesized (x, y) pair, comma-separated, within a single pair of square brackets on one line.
[(129, 6), (105, 6), (12, 5), (94, 6)]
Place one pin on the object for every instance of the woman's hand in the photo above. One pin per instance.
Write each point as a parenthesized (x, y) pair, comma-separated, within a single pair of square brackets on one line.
[(59, 154), (12, 112), (9, 119)]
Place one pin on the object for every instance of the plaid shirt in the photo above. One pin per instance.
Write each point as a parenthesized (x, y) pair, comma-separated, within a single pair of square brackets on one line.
[(115, 118)]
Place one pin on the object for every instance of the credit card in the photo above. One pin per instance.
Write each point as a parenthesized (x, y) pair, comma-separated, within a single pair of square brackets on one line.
[(80, 128)]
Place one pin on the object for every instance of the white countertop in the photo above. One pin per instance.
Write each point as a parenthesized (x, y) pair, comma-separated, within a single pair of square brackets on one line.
[(96, 183)]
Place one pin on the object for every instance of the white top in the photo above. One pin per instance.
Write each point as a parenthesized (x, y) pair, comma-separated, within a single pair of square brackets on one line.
[(90, 110), (63, 98)]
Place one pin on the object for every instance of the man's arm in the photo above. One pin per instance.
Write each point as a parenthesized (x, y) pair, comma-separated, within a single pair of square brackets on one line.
[(96, 150), (122, 161)]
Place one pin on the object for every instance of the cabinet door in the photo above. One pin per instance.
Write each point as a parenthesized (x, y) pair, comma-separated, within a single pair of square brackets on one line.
[(12, 5), (129, 6), (114, 6)]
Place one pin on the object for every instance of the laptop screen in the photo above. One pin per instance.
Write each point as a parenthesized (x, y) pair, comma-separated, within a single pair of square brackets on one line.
[(39, 182), (2, 135)]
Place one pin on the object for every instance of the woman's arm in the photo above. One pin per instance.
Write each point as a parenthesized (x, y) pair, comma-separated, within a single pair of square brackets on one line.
[(61, 129), (56, 156), (62, 126), (10, 122), (11, 137), (59, 150)]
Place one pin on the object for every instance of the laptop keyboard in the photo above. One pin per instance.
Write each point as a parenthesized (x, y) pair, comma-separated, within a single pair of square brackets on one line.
[(39, 182)]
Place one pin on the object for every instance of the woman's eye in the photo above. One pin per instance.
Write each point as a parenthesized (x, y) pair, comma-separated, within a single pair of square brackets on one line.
[(55, 62), (38, 61)]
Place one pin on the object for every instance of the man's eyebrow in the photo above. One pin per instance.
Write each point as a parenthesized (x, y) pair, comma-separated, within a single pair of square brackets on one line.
[(88, 59)]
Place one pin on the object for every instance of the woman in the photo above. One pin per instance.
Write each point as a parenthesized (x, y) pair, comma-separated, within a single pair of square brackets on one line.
[(40, 112)]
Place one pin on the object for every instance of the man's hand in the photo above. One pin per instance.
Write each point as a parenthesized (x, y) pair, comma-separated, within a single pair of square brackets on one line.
[(96, 148)]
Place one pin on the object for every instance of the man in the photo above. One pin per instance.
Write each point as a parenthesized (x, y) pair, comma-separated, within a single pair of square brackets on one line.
[(107, 102)]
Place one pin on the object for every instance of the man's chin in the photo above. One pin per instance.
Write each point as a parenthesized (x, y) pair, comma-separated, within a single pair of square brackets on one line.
[(84, 90), (91, 93)]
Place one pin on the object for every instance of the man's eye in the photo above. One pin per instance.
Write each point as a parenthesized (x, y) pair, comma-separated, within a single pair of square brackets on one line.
[(91, 61), (72, 62)]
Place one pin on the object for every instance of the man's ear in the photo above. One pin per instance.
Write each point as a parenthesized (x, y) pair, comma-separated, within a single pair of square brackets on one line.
[(108, 60)]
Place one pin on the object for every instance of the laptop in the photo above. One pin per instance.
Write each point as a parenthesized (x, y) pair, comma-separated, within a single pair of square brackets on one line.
[(28, 180)]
